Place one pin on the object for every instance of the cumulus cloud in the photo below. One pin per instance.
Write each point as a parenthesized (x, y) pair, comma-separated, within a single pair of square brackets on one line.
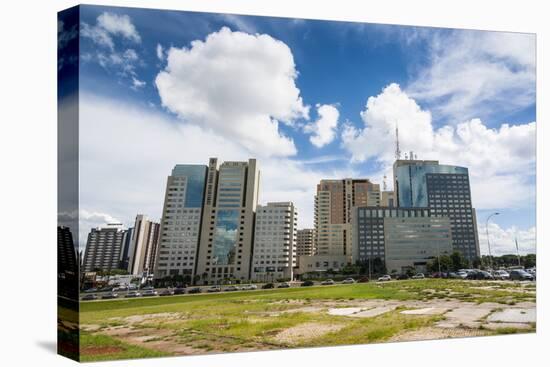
[(324, 129), (121, 25), (160, 52), (137, 147), (137, 84), (242, 86), (503, 157), (472, 73), (502, 240)]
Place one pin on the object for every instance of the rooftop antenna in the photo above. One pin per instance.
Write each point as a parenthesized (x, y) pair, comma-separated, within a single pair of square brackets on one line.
[(397, 150), (384, 184)]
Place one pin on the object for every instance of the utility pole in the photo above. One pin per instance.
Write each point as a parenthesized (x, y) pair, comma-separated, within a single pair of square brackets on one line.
[(488, 242), (517, 251)]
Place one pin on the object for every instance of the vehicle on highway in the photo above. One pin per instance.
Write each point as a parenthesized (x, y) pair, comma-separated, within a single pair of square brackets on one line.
[(214, 289), (179, 290), (384, 278), (111, 295), (268, 286), (462, 274), (149, 293), (90, 290), (418, 276), (89, 297), (195, 290), (501, 275), (402, 277), (327, 282), (249, 287), (519, 274), (132, 294), (121, 288), (147, 288), (167, 292), (307, 283), (232, 288), (479, 275), (284, 285), (348, 281), (363, 280)]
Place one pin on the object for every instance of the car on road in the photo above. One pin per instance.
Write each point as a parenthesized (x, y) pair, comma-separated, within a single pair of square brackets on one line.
[(132, 294), (327, 282), (90, 290), (149, 293), (501, 275), (462, 274), (284, 285), (384, 278), (402, 277), (167, 292), (121, 288), (307, 283), (268, 286), (179, 290), (214, 289), (348, 281), (479, 275), (249, 287), (418, 276), (519, 274), (232, 288), (111, 295), (363, 280), (89, 297), (195, 290)]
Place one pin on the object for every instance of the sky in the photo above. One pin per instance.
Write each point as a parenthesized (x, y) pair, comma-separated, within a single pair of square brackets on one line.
[(310, 99)]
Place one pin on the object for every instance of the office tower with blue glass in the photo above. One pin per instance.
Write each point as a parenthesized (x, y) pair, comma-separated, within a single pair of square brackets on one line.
[(227, 233), (445, 190), (181, 222)]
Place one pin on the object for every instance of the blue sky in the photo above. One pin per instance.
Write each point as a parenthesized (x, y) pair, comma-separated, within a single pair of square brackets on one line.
[(463, 97)]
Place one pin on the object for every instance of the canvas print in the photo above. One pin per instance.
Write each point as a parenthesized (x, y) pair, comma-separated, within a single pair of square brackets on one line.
[(233, 183)]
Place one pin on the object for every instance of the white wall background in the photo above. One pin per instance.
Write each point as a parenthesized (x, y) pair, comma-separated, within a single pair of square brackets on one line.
[(28, 180)]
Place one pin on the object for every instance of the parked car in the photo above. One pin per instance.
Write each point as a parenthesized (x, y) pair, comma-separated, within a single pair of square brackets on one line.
[(167, 292), (328, 282), (149, 293), (268, 286), (179, 290), (363, 280), (147, 288), (195, 290), (519, 274), (232, 288), (89, 297), (384, 278), (462, 274), (418, 276), (90, 290), (249, 287), (121, 288), (501, 275), (284, 285), (132, 294), (307, 283), (348, 281), (402, 277), (214, 288), (111, 295), (479, 275)]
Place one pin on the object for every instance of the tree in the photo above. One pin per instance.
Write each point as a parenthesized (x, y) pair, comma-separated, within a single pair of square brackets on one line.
[(458, 261)]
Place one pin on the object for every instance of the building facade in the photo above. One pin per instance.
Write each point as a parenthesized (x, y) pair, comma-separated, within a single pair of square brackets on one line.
[(402, 238), (305, 242), (143, 248), (180, 226), (275, 238), (227, 232), (333, 205), (445, 190), (104, 248)]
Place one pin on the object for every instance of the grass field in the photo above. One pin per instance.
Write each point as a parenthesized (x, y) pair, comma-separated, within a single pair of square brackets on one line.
[(294, 317)]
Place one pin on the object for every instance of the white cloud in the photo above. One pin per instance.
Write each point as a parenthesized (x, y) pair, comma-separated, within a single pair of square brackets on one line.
[(239, 85), (324, 129), (137, 147), (503, 157), (472, 73), (160, 52), (118, 25), (502, 240), (137, 83)]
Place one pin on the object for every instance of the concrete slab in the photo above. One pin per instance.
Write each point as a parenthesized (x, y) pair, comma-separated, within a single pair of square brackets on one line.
[(501, 325), (426, 311), (373, 312), (514, 315), (346, 311)]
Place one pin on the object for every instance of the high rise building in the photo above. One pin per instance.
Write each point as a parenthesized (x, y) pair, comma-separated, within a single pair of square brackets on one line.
[(388, 199), (333, 204), (126, 250), (181, 221), (227, 233), (305, 245), (143, 248), (445, 189), (275, 236), (401, 238), (104, 248)]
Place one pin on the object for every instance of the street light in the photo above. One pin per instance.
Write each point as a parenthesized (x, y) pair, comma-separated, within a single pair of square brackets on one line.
[(488, 242)]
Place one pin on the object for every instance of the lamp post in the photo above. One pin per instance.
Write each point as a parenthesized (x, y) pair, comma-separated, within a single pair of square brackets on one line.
[(488, 242)]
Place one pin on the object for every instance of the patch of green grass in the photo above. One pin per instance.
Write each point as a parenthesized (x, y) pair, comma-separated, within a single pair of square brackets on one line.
[(97, 347)]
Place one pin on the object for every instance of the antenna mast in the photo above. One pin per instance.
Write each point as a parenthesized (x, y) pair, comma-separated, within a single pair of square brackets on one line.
[(397, 150)]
